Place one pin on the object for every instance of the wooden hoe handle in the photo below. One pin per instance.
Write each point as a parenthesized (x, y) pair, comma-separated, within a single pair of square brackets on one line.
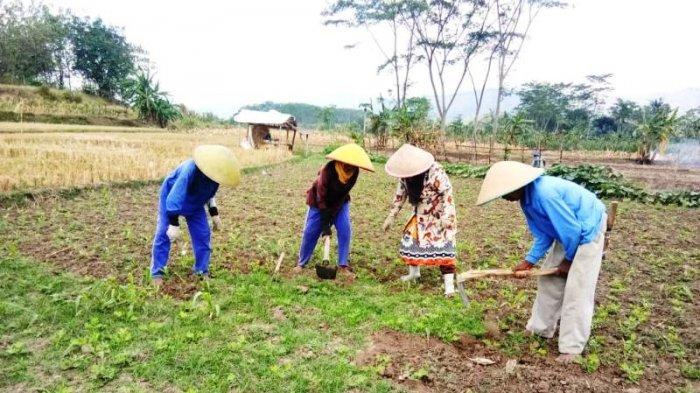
[(471, 274)]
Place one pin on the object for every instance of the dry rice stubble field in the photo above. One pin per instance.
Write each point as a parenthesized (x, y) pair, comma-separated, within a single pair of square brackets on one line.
[(647, 302)]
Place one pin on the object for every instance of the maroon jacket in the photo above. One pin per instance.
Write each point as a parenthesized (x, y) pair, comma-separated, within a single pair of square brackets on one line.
[(327, 193)]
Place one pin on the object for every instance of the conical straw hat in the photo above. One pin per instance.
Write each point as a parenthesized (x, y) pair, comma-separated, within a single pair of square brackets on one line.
[(408, 161), (505, 177), (352, 154), (218, 163)]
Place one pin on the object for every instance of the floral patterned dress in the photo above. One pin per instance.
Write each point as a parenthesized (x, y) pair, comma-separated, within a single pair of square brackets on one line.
[(429, 236)]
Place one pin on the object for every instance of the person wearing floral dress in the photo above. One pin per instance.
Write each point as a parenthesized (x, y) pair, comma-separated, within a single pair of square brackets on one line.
[(429, 235)]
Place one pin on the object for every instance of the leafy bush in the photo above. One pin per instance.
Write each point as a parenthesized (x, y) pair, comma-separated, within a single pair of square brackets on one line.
[(466, 170), (149, 101), (606, 183)]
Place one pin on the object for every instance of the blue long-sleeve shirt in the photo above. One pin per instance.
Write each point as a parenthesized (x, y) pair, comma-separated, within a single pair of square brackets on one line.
[(558, 209), (186, 190)]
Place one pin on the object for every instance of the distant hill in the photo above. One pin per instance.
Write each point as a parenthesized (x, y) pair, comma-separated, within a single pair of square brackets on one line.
[(33, 104), (307, 115)]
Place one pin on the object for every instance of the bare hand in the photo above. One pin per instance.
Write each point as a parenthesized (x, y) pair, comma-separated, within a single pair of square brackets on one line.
[(563, 268), (521, 269)]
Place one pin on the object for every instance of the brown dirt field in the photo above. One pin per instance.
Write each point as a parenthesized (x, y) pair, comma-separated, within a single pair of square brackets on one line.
[(648, 298), (661, 176), (422, 364)]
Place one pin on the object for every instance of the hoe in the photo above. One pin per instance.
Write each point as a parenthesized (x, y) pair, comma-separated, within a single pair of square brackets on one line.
[(472, 274)]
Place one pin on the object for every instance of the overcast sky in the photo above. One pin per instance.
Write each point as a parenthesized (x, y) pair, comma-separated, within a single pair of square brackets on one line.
[(219, 55)]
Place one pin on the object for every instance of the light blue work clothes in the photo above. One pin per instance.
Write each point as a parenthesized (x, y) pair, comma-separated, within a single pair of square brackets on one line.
[(561, 210)]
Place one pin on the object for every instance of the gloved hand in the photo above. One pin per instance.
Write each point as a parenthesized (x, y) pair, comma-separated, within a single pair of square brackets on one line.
[(522, 268), (173, 233), (563, 268), (216, 224), (387, 223)]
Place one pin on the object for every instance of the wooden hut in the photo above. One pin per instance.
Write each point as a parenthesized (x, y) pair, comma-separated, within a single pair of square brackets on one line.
[(259, 124)]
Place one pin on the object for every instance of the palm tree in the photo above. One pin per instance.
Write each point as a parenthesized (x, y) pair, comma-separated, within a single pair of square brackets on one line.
[(658, 125), (149, 101)]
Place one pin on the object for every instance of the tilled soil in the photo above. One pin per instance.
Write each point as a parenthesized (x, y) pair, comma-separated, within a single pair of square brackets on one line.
[(424, 364)]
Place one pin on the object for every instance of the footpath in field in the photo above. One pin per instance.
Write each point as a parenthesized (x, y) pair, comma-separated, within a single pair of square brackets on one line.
[(79, 312)]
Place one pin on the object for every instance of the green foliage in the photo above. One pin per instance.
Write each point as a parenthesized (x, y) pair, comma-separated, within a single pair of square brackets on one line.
[(632, 370), (659, 123), (39, 46), (691, 371), (33, 44), (378, 158), (514, 127), (606, 183), (601, 180), (103, 56), (327, 118), (149, 101), (590, 363), (408, 123), (466, 170)]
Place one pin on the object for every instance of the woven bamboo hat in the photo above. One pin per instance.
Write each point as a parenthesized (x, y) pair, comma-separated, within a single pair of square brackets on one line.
[(352, 154), (505, 177), (408, 161), (218, 163)]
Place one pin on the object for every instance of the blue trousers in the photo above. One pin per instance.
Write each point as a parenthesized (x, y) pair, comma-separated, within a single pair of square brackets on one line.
[(200, 235), (312, 231)]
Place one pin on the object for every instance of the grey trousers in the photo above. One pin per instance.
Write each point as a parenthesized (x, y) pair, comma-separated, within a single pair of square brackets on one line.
[(568, 301)]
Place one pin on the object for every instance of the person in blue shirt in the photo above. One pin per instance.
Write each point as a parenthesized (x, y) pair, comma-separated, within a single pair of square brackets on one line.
[(568, 224), (185, 193)]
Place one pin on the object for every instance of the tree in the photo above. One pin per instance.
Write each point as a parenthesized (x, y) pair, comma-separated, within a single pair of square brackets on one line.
[(450, 34), (32, 44), (103, 56), (625, 113), (659, 123), (559, 106), (327, 118), (690, 123), (399, 55), (149, 101)]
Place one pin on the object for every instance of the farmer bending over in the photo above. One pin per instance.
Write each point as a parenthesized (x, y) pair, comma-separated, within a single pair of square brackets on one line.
[(329, 203), (185, 192), (570, 222), (429, 236)]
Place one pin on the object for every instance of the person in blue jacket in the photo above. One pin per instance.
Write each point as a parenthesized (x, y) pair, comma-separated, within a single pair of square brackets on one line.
[(185, 193), (568, 225)]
